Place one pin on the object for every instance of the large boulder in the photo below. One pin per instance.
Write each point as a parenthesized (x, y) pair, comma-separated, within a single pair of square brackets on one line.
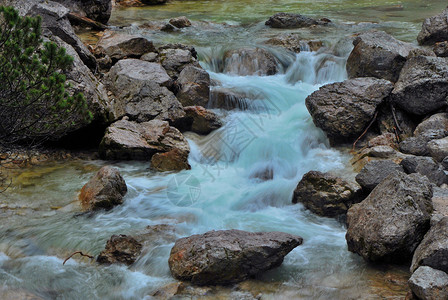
[(98, 10), (425, 166), (390, 223), (193, 86), (325, 194), (203, 120), (423, 85), (377, 54), (429, 284), (438, 148), (104, 190), (433, 123), (289, 20), (173, 160), (126, 140), (228, 256), (344, 109), (375, 172), (120, 249), (250, 61), (139, 88), (434, 29), (121, 45), (418, 145), (433, 250), (82, 80), (55, 22)]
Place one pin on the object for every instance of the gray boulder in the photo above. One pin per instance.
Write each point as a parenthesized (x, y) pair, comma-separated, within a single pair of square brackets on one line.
[(121, 45), (433, 123), (433, 250), (126, 140), (194, 86), (174, 60), (325, 194), (418, 145), (295, 42), (438, 148), (390, 223), (377, 54), (250, 61), (434, 29), (375, 172), (139, 88), (228, 256), (288, 20), (55, 22), (104, 190), (423, 85), (429, 284), (180, 22), (344, 109), (425, 166)]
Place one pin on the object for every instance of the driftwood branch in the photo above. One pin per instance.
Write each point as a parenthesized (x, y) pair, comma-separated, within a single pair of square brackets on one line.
[(365, 131), (77, 252), (392, 108)]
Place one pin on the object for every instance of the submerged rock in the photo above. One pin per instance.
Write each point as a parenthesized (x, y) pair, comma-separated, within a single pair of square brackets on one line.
[(126, 140), (429, 284), (288, 20), (433, 250), (434, 29), (204, 121), (250, 61), (228, 256), (105, 190), (325, 194), (375, 172), (121, 45), (120, 249), (180, 22), (422, 87), (377, 54), (295, 43), (390, 223), (344, 109)]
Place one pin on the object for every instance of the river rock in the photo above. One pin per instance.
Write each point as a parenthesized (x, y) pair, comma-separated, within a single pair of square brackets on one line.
[(204, 121), (377, 54), (429, 284), (250, 61), (55, 22), (228, 256), (104, 190), (173, 160), (294, 42), (390, 223), (139, 88), (434, 29), (289, 20), (226, 98), (438, 149), (433, 250), (441, 49), (153, 2), (344, 109), (98, 10), (375, 172), (120, 249), (180, 22), (435, 122), (325, 194), (418, 145), (127, 140), (121, 45), (423, 85), (425, 166), (174, 60), (193, 86)]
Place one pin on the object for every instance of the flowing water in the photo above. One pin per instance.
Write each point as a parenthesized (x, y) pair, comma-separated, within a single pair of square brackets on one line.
[(242, 175)]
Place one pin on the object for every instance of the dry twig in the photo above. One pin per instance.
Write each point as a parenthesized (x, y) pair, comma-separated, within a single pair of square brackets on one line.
[(77, 252)]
